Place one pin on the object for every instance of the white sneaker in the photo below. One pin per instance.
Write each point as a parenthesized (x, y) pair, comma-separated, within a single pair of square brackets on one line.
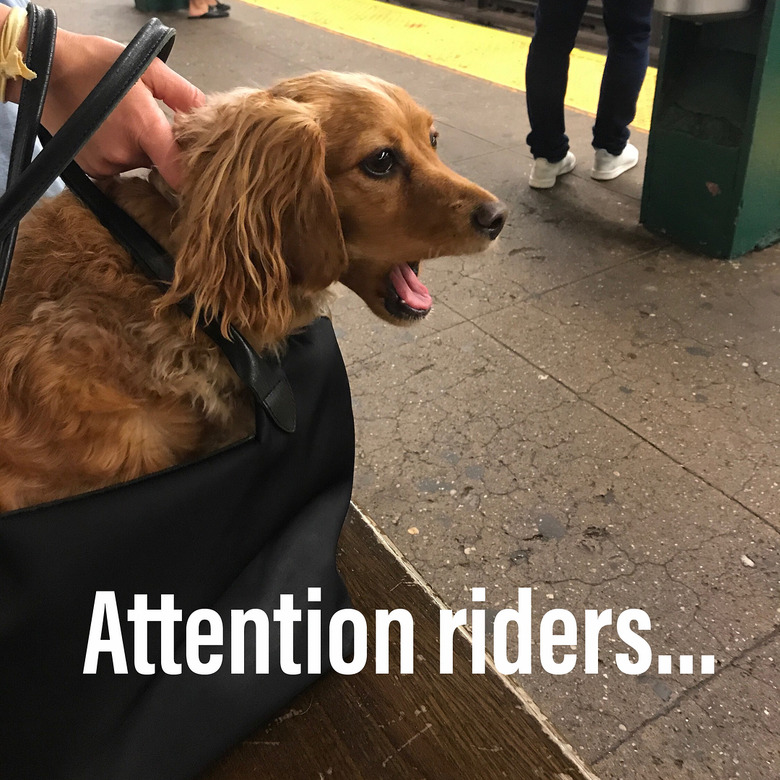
[(608, 166), (544, 173)]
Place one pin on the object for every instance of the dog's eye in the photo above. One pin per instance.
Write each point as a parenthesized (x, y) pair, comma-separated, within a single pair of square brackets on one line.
[(379, 163), (434, 138)]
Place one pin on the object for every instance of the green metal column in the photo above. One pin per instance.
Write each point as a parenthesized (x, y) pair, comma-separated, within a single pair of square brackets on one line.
[(712, 177)]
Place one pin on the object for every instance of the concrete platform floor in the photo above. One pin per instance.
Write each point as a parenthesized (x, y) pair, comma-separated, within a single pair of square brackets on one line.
[(589, 411)]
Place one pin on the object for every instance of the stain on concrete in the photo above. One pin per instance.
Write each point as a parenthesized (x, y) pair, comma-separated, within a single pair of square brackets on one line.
[(658, 686), (550, 527), (519, 556)]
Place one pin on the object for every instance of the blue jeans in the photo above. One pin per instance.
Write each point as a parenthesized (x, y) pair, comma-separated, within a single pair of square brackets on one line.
[(547, 71)]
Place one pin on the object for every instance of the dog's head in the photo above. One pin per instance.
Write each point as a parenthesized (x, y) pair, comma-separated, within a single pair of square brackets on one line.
[(322, 178)]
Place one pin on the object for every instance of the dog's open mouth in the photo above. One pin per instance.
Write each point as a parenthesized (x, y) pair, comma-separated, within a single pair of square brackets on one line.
[(407, 297)]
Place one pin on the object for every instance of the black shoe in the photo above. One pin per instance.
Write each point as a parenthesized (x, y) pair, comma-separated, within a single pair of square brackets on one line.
[(223, 7), (214, 12)]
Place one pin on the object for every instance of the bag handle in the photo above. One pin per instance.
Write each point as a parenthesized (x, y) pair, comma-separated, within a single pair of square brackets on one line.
[(264, 377), (42, 26)]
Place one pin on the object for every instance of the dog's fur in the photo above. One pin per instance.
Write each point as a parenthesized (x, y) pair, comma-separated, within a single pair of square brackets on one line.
[(103, 379)]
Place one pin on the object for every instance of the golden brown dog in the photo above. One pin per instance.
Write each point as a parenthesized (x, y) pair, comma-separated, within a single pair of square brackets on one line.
[(322, 178)]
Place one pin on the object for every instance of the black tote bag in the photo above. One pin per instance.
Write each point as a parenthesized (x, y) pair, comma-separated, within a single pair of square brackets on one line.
[(235, 530), (232, 531)]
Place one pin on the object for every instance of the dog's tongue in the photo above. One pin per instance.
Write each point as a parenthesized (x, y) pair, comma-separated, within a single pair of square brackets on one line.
[(409, 288)]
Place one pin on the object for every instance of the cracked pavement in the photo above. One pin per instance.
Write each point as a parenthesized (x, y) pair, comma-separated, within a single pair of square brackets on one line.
[(588, 411), (593, 413)]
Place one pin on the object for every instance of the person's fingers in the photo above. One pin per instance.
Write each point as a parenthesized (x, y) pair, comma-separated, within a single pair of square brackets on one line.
[(174, 90), (100, 161), (137, 133), (157, 141), (160, 146)]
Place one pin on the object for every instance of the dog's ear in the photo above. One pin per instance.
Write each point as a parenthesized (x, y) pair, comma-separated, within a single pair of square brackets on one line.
[(257, 214)]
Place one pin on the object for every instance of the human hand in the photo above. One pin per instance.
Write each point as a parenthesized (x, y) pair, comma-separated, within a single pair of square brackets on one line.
[(137, 134)]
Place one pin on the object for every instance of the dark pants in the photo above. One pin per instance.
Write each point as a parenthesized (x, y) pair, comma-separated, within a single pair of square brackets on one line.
[(547, 72)]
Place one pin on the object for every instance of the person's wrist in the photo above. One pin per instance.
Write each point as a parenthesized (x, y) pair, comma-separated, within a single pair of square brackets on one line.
[(64, 67), (61, 61)]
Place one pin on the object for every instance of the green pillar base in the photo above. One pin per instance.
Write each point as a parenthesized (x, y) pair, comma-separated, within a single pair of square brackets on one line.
[(712, 178)]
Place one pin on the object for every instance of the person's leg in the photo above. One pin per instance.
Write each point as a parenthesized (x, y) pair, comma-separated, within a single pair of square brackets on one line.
[(546, 75), (628, 31)]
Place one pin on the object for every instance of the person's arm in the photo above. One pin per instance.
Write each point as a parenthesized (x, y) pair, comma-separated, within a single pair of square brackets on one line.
[(137, 134)]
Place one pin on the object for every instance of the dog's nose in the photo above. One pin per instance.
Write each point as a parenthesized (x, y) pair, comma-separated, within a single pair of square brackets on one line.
[(489, 218)]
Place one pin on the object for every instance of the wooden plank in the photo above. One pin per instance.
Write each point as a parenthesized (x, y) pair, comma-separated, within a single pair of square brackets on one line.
[(420, 725)]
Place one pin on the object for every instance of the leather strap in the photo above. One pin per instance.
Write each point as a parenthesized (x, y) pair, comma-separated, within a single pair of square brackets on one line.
[(29, 181), (42, 26)]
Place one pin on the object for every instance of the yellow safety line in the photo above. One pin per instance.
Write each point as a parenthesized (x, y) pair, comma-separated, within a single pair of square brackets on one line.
[(493, 55)]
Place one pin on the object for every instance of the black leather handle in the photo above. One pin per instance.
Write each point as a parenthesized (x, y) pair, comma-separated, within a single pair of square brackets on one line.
[(42, 26)]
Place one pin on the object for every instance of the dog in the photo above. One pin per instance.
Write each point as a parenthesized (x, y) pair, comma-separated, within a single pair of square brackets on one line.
[(323, 178)]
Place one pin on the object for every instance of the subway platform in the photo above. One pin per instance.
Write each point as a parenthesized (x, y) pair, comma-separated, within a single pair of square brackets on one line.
[(589, 411)]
